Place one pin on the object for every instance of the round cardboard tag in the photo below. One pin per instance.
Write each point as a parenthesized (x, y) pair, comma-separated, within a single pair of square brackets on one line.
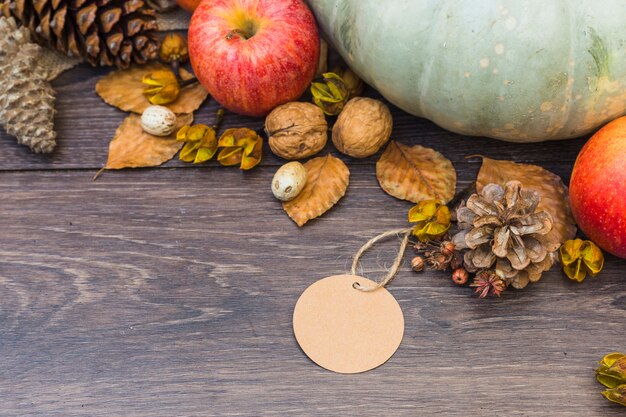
[(346, 330)]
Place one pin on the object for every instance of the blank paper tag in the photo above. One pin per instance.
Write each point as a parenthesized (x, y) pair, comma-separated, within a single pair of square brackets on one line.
[(346, 330)]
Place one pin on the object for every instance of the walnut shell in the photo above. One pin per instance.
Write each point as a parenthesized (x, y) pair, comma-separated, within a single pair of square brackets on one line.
[(296, 130), (362, 128)]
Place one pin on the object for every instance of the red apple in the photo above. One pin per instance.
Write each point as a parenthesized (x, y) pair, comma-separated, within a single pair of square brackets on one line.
[(598, 188), (253, 55), (189, 5)]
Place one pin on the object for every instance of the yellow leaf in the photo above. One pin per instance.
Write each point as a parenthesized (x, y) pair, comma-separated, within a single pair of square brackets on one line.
[(554, 194), (328, 179), (415, 173), (124, 89), (133, 148)]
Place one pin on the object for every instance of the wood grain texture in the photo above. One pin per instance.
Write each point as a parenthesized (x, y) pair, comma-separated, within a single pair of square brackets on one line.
[(169, 292)]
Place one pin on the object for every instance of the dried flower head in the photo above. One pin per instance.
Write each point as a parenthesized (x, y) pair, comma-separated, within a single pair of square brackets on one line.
[(242, 147), (200, 143), (432, 220), (616, 395), (351, 81), (504, 232), (162, 87), (330, 94), (174, 48), (488, 283), (580, 258), (612, 370)]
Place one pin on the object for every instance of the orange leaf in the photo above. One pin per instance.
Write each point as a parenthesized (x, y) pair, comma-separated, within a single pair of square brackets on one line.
[(415, 173), (124, 89), (133, 148), (554, 194), (327, 182)]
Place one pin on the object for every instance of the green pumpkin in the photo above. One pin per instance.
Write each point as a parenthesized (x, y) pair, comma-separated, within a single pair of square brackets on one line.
[(517, 70)]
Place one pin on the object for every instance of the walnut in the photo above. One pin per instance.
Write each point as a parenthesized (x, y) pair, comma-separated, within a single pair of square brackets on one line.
[(296, 130), (362, 128)]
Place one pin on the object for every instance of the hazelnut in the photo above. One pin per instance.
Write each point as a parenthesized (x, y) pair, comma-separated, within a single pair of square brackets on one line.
[(362, 128), (296, 130), (158, 121), (289, 181)]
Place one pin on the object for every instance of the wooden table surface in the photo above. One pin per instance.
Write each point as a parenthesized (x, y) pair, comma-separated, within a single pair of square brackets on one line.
[(169, 291)]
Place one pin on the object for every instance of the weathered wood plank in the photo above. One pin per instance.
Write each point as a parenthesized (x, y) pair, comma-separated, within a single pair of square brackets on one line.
[(85, 126), (170, 293)]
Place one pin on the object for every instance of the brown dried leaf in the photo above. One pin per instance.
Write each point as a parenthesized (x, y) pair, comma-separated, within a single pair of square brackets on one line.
[(327, 183), (123, 89), (554, 194), (133, 148), (415, 173)]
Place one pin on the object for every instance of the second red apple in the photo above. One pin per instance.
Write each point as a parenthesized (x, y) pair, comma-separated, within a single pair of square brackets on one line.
[(253, 55)]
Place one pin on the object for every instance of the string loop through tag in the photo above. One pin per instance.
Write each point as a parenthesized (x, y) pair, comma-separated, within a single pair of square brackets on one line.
[(396, 263)]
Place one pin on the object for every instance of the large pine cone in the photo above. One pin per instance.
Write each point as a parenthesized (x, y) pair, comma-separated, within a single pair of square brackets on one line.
[(104, 32), (501, 227)]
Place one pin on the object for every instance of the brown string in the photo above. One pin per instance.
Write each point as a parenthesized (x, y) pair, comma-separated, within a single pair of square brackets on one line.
[(396, 264)]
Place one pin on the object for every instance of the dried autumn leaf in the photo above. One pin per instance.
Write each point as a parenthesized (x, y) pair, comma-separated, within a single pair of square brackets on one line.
[(554, 194), (327, 182), (133, 148), (124, 89), (416, 173)]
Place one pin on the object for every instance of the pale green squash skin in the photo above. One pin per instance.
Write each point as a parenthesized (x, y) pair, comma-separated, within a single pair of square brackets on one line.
[(517, 70)]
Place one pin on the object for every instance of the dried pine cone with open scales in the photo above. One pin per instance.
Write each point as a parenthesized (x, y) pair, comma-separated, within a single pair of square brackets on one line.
[(503, 232), (103, 32), (26, 97)]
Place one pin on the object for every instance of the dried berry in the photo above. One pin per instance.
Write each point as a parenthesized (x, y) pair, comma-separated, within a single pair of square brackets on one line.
[(296, 130), (580, 258), (460, 276), (162, 87), (362, 128), (417, 264), (242, 147), (330, 94), (174, 48), (432, 220)]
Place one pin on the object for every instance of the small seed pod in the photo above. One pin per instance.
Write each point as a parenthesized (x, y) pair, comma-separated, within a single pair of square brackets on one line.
[(447, 248), (460, 276), (289, 181), (158, 121), (417, 264)]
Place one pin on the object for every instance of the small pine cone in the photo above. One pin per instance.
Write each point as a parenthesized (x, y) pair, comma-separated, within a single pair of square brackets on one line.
[(503, 231), (26, 98)]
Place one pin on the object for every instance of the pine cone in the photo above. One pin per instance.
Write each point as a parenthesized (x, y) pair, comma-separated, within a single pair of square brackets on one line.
[(26, 98), (500, 226), (104, 32)]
